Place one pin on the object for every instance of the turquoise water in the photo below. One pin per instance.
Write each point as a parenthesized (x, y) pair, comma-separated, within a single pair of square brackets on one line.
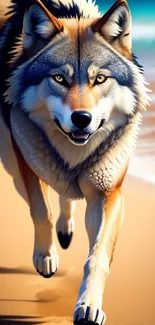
[(143, 11), (145, 51)]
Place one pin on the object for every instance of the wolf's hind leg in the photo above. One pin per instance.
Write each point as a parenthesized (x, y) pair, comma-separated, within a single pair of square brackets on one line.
[(65, 223), (45, 258)]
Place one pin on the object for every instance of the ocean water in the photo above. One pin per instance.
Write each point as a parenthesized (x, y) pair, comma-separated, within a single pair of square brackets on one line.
[(142, 162)]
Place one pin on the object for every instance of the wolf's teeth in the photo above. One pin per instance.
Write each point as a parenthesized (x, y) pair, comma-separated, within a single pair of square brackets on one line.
[(80, 136)]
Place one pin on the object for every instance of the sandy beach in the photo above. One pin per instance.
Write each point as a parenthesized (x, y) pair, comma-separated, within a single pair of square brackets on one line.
[(27, 298)]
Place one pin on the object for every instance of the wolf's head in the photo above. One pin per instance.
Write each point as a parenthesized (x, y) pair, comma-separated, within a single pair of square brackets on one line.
[(79, 73)]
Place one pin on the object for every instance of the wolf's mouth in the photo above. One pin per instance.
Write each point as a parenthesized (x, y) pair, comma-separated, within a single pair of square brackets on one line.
[(78, 137)]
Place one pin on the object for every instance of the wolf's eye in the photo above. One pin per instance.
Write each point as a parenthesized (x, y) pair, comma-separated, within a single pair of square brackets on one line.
[(58, 78), (100, 79)]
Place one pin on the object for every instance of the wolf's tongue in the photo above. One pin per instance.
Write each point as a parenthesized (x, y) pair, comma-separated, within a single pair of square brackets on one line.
[(80, 135)]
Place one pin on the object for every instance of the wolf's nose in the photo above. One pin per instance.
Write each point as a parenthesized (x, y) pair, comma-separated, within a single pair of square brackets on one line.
[(81, 119)]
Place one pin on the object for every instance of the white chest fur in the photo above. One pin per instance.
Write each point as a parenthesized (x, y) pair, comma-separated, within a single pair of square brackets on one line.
[(104, 167)]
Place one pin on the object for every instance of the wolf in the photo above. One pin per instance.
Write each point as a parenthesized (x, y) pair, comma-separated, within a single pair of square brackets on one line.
[(72, 94)]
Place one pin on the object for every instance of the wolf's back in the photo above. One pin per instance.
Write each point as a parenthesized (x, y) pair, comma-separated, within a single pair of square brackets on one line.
[(10, 31)]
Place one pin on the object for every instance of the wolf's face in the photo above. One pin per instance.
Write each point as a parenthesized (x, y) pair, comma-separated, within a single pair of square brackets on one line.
[(79, 73)]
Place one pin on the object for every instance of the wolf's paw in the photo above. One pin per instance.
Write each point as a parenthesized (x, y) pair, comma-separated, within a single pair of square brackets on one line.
[(84, 315), (64, 239), (65, 229), (46, 264)]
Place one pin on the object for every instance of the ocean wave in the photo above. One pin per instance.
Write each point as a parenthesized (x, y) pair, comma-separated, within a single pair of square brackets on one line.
[(141, 31), (147, 177), (152, 96), (142, 168)]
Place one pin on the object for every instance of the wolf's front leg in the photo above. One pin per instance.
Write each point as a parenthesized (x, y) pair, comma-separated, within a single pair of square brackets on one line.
[(65, 223), (45, 258), (103, 220)]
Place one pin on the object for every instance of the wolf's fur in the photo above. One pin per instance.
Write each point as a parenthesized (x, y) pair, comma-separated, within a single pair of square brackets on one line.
[(70, 39)]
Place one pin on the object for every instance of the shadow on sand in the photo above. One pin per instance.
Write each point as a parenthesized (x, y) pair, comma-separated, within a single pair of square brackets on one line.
[(19, 270), (23, 320), (28, 271), (23, 300)]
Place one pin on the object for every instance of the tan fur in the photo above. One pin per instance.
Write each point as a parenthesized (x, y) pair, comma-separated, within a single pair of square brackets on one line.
[(56, 22), (45, 257), (2, 19), (65, 222), (100, 22), (84, 99)]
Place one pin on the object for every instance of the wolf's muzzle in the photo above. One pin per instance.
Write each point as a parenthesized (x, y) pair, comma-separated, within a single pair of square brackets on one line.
[(81, 119)]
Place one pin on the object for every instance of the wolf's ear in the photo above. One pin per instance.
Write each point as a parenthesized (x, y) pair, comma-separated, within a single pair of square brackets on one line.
[(115, 25), (39, 25)]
